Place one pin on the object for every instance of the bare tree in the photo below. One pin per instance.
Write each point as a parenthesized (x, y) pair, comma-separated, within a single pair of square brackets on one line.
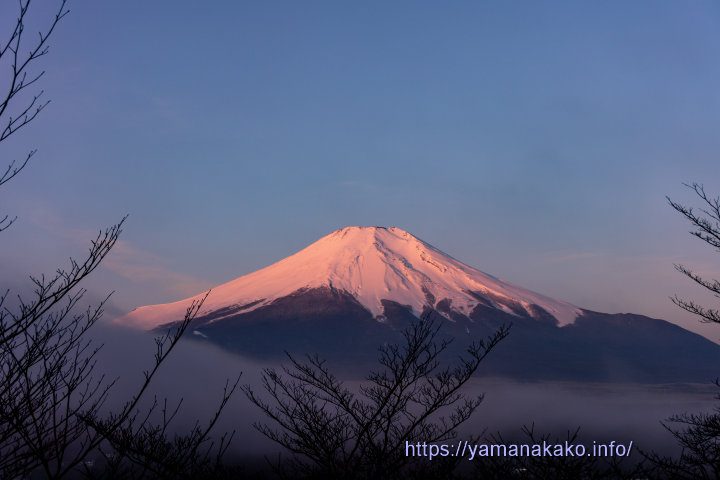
[(51, 397), (17, 60), (706, 227), (140, 448), (51, 416), (697, 434), (412, 401)]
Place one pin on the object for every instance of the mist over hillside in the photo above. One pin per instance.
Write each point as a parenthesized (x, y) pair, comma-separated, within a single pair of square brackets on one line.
[(197, 372)]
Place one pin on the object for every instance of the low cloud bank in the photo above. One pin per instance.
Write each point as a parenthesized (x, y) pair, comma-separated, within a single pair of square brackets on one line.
[(197, 373)]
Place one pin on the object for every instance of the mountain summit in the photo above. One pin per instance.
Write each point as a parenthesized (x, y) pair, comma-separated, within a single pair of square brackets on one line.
[(358, 287), (374, 265)]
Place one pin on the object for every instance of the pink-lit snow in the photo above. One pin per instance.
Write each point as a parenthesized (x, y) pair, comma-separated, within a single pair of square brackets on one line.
[(370, 263)]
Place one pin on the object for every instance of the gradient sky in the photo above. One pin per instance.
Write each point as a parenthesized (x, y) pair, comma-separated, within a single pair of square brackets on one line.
[(535, 141)]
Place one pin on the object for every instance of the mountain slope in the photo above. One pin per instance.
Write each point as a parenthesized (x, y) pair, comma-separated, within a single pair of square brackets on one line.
[(356, 288), (371, 264)]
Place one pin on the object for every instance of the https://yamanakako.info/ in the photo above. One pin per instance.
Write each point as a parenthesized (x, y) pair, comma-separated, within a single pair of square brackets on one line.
[(544, 449)]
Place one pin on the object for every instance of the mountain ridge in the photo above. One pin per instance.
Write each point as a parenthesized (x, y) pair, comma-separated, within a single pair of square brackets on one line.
[(372, 264), (359, 287)]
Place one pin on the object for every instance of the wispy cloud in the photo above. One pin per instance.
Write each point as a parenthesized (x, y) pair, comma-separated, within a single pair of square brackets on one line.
[(146, 267), (135, 264)]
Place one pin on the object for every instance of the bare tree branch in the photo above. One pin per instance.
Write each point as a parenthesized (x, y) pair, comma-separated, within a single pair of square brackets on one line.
[(706, 227), (16, 109), (51, 397), (337, 433)]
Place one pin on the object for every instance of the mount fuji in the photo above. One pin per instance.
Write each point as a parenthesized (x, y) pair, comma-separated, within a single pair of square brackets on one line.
[(356, 288)]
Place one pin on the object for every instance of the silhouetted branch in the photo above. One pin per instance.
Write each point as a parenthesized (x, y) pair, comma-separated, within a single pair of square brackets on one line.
[(697, 434), (336, 433), (17, 63), (706, 228)]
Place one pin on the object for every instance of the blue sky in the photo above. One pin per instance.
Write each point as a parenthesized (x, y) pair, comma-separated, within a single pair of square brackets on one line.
[(535, 141)]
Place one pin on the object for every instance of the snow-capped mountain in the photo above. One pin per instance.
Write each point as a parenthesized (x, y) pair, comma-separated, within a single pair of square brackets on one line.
[(356, 288), (372, 264)]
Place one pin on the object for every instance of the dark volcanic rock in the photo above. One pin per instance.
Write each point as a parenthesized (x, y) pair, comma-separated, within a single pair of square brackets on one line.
[(597, 347), (323, 320)]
